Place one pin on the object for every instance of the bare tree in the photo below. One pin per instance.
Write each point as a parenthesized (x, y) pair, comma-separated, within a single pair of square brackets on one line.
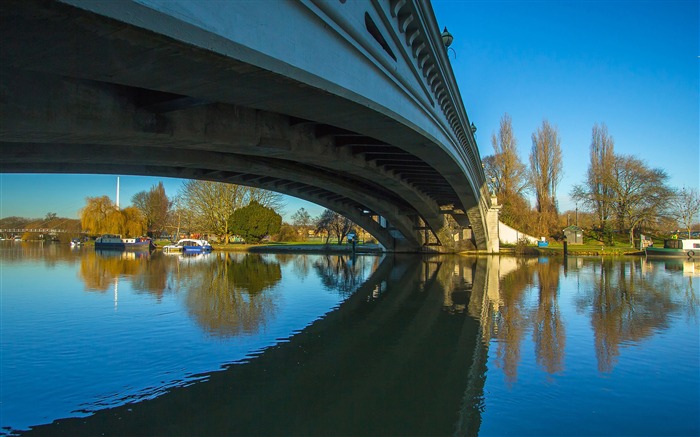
[(598, 192), (212, 203), (334, 224), (546, 165), (640, 193), (507, 176), (546, 173), (684, 207), (302, 222), (507, 170), (155, 207)]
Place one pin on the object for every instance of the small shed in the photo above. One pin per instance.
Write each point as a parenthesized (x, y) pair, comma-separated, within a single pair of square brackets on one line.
[(573, 235)]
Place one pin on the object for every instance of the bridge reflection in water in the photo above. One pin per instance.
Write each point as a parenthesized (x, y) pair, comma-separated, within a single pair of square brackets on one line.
[(400, 356), (404, 354)]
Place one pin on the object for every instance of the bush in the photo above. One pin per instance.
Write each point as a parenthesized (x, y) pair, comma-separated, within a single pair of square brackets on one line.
[(286, 233)]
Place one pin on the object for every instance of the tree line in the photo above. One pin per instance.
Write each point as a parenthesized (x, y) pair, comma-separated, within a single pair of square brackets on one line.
[(209, 208), (621, 192)]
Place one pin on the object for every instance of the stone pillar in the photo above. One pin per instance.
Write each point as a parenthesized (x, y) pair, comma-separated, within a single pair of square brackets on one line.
[(492, 220)]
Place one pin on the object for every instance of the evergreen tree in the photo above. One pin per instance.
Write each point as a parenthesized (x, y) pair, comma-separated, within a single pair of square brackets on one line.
[(254, 222)]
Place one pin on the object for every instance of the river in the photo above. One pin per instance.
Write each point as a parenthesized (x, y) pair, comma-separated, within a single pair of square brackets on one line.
[(110, 343)]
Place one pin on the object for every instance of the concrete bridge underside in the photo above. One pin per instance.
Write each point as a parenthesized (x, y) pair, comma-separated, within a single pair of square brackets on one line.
[(82, 93)]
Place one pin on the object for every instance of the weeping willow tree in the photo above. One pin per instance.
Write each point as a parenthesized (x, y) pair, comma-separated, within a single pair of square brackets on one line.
[(101, 216)]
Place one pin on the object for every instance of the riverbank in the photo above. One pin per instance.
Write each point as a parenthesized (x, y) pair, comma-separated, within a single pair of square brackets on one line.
[(552, 250), (573, 250), (298, 248)]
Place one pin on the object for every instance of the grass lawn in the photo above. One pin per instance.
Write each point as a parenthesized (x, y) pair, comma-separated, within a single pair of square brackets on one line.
[(620, 246)]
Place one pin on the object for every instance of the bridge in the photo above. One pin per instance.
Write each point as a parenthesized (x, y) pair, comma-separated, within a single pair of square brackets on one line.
[(36, 231), (352, 105)]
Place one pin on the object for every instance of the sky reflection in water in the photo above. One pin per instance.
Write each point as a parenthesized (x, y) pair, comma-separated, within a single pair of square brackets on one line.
[(415, 345)]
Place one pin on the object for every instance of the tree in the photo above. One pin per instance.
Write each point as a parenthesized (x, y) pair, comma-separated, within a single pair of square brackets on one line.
[(254, 222), (333, 224), (180, 217), (212, 203), (505, 170), (684, 207), (101, 216), (602, 157), (132, 223), (639, 193), (155, 207), (546, 173), (97, 217), (507, 176), (323, 223), (302, 221), (545, 166), (596, 193)]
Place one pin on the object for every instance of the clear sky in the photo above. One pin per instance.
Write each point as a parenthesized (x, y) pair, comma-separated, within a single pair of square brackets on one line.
[(633, 65)]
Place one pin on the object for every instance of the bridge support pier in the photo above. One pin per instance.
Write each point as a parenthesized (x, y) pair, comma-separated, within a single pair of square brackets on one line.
[(492, 220)]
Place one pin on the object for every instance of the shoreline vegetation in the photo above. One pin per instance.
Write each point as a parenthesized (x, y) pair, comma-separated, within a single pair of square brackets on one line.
[(554, 249)]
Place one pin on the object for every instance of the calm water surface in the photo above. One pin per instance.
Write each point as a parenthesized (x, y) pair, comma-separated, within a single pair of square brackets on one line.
[(269, 344)]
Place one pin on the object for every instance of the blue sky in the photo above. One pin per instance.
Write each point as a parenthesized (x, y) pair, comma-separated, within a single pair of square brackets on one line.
[(632, 65)]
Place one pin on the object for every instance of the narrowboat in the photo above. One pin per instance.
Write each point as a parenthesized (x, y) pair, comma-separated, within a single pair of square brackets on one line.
[(677, 248), (116, 242)]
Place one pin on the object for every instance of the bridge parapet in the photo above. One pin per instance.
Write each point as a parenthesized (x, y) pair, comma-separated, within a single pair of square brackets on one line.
[(430, 56)]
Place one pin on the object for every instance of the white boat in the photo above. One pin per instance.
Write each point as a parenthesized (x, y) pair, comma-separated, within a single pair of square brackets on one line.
[(188, 245), (677, 248)]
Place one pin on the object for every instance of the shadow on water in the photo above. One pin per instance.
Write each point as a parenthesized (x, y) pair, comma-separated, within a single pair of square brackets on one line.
[(405, 353), (400, 356)]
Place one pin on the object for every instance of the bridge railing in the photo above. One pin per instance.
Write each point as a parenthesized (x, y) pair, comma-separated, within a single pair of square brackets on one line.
[(38, 231)]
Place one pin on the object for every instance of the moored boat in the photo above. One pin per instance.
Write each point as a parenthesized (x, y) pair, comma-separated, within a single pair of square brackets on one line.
[(677, 248), (116, 242), (188, 245)]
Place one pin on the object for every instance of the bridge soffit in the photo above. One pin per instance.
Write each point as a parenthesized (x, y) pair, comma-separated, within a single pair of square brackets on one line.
[(200, 139), (232, 132), (380, 31)]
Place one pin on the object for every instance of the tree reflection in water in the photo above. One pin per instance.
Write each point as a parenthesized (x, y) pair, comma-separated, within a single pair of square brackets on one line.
[(100, 269), (625, 306), (548, 332), (627, 301), (235, 295), (338, 272)]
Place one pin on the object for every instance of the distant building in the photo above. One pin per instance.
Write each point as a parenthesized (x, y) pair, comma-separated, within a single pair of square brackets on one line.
[(573, 234)]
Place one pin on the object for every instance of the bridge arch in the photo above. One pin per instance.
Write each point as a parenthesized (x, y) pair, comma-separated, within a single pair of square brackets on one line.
[(145, 88)]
